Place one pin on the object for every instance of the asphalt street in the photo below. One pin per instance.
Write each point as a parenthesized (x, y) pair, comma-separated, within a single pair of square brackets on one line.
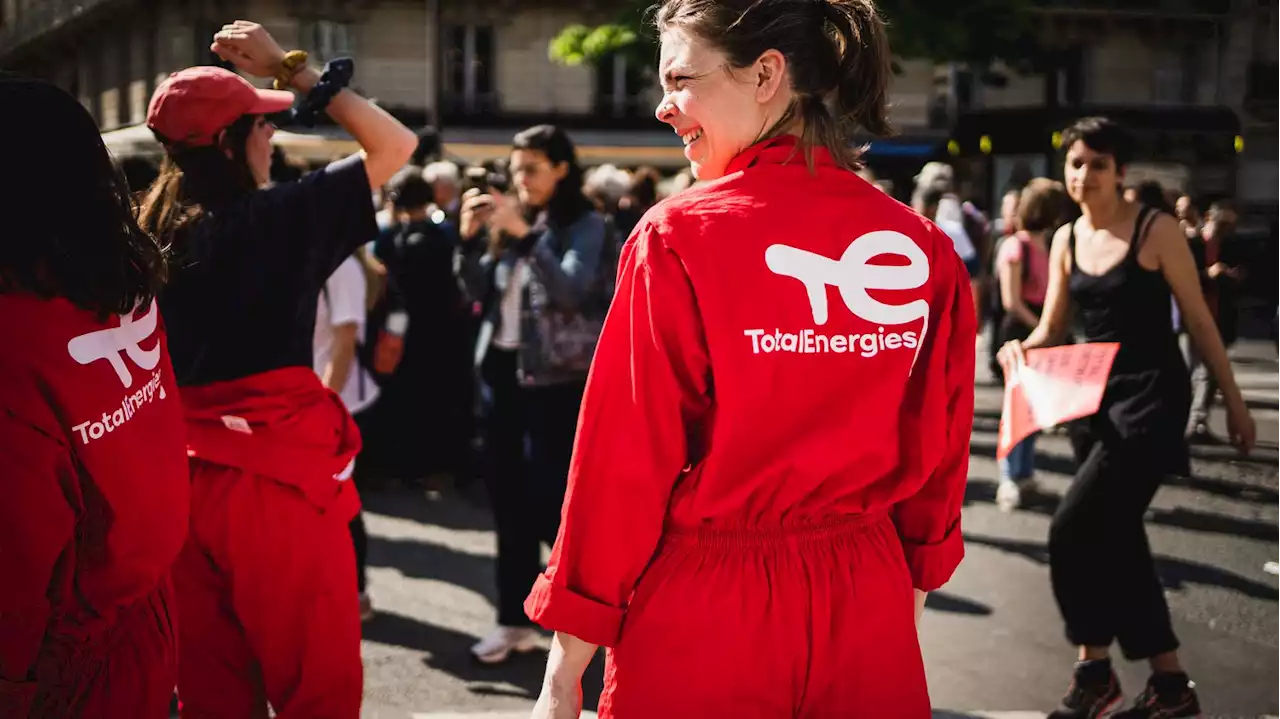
[(991, 638)]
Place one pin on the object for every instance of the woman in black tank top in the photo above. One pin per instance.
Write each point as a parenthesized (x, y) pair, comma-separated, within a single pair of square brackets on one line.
[(1118, 265)]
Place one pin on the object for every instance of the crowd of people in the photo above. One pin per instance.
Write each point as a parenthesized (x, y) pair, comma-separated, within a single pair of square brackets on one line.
[(659, 389)]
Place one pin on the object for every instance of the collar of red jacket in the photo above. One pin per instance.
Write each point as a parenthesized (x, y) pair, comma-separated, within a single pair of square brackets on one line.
[(781, 150)]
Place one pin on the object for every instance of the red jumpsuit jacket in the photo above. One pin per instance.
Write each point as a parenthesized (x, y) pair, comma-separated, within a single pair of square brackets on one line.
[(783, 348), (94, 469)]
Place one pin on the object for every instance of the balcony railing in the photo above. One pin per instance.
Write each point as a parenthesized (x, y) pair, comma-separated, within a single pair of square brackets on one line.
[(37, 19)]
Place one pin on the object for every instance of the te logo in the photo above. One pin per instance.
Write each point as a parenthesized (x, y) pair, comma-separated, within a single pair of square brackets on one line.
[(853, 276), (108, 344)]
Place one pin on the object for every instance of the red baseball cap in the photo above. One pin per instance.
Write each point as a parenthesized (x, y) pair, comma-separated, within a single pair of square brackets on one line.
[(192, 106)]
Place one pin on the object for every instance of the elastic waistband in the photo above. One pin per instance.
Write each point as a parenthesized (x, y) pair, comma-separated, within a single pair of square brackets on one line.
[(772, 536)]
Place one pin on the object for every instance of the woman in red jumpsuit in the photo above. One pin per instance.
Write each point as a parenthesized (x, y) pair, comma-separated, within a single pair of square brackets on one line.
[(774, 439), (92, 458)]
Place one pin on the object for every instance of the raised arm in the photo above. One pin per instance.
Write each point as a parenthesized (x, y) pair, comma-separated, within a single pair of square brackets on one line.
[(386, 143)]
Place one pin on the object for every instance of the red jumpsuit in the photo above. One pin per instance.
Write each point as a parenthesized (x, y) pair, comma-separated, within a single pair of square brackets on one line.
[(771, 453), (94, 471), (266, 583)]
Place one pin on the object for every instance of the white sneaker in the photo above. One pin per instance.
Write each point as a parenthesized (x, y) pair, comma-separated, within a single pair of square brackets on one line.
[(1008, 495), (501, 642)]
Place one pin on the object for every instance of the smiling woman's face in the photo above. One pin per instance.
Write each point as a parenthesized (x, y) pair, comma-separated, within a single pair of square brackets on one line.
[(718, 113)]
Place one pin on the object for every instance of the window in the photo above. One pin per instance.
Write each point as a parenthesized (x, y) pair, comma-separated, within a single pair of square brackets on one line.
[(1174, 79), (467, 83), (620, 86), (329, 39)]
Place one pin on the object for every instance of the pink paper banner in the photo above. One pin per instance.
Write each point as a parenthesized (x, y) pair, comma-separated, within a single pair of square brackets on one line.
[(1055, 385)]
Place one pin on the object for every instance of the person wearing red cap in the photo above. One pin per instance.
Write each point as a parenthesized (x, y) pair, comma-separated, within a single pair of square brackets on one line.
[(772, 449), (91, 438), (266, 583)]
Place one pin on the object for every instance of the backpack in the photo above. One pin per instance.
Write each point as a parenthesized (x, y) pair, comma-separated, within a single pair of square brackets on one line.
[(380, 350)]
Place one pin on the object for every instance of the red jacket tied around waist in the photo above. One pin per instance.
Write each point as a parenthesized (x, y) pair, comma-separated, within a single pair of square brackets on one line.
[(284, 425)]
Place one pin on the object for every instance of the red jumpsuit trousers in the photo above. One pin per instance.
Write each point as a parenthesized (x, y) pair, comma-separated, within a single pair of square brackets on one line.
[(266, 583), (813, 624), (266, 593)]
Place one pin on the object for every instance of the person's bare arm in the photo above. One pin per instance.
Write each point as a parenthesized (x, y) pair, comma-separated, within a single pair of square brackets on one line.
[(1179, 270), (386, 143), (343, 357)]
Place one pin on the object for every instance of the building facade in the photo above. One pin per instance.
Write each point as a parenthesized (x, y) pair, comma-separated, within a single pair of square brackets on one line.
[(1195, 80), (480, 71)]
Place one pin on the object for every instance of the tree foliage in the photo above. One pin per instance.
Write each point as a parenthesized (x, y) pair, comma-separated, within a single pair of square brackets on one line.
[(976, 32)]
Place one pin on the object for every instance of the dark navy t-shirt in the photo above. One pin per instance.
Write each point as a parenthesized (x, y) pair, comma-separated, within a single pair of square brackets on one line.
[(246, 280)]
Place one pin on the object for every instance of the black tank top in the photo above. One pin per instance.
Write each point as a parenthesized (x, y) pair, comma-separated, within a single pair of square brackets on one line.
[(1149, 392)]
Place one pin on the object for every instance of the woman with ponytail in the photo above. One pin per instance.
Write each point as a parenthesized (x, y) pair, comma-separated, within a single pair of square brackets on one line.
[(768, 473)]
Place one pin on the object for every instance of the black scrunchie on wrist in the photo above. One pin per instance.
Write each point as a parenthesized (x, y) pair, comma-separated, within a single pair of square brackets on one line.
[(337, 75)]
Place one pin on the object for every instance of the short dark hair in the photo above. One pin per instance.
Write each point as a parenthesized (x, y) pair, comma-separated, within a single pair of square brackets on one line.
[(1102, 135), (644, 186), (837, 53), (1044, 205), (92, 252), (408, 189)]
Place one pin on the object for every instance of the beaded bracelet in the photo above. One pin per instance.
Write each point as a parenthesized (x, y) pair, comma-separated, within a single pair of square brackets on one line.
[(337, 75)]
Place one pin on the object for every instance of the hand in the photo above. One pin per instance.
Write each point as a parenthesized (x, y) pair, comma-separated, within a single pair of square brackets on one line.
[(558, 701), (249, 47), (474, 214), (1011, 357), (506, 217), (1216, 269), (1240, 427)]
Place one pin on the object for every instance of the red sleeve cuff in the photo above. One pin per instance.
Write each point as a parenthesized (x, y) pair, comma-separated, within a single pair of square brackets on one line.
[(933, 564), (560, 609)]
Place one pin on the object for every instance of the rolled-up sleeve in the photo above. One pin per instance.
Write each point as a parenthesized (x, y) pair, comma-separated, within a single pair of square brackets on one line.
[(928, 521), (647, 393)]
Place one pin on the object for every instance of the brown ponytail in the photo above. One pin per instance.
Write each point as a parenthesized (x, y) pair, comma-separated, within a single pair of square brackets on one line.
[(837, 53)]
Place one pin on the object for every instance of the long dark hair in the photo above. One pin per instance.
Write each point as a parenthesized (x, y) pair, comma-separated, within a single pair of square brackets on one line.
[(73, 230), (567, 203), (837, 55), (194, 180)]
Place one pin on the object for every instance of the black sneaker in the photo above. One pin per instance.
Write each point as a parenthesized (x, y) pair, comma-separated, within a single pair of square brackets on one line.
[(1167, 696), (1094, 692)]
